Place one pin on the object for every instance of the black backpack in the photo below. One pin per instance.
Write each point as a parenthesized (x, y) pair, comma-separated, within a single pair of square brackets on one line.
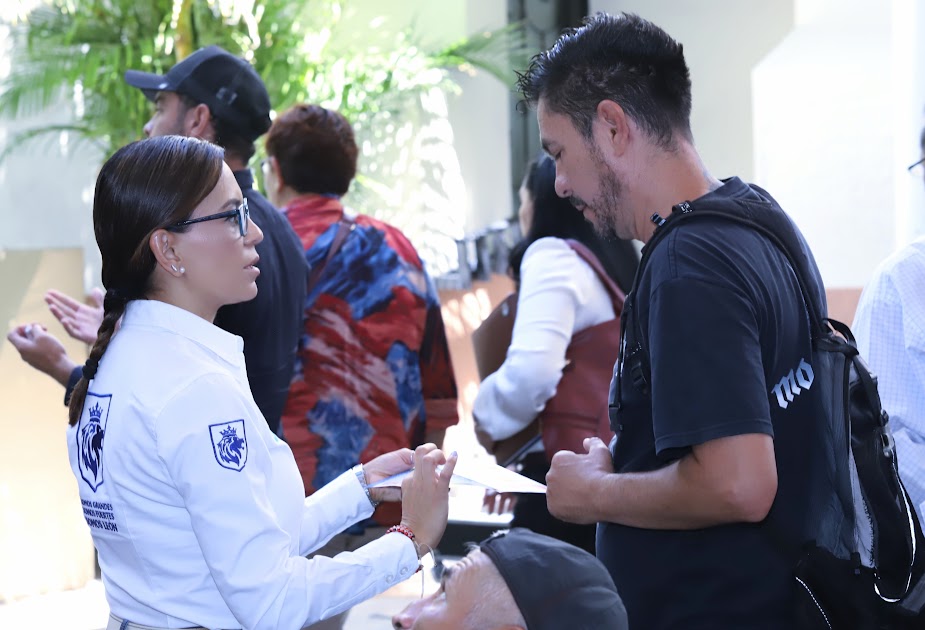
[(863, 564)]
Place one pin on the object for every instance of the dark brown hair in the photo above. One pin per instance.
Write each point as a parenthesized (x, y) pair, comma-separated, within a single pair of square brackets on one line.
[(143, 187), (622, 58), (315, 148)]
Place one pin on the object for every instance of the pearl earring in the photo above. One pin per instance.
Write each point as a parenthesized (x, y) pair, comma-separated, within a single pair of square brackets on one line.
[(182, 269)]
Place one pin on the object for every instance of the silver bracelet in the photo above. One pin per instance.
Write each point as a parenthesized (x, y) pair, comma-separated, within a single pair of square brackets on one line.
[(361, 476)]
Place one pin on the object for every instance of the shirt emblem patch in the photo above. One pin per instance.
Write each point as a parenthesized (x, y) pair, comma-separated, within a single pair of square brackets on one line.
[(229, 443), (91, 429)]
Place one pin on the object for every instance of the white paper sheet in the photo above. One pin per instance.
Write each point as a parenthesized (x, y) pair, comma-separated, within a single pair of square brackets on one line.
[(487, 475)]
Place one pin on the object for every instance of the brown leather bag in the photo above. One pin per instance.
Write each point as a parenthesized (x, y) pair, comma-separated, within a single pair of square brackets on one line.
[(579, 407), (493, 336)]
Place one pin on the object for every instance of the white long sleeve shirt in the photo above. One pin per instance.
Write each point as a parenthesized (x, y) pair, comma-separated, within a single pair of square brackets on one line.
[(890, 329), (196, 508), (560, 295)]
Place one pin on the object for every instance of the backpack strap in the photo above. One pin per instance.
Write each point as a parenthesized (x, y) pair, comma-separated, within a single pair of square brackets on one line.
[(756, 214), (893, 573), (344, 227), (760, 216)]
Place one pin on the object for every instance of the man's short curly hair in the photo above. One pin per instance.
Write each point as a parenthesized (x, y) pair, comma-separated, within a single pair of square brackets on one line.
[(315, 149), (622, 58)]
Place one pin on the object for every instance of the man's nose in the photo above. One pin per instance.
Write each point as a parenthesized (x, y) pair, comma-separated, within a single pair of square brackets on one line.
[(147, 128), (402, 621), (405, 619), (562, 187)]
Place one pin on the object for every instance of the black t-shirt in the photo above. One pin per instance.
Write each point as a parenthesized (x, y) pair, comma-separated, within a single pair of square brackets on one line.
[(271, 323), (722, 317)]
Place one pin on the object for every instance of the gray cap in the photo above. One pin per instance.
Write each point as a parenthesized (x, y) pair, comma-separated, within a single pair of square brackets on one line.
[(556, 585)]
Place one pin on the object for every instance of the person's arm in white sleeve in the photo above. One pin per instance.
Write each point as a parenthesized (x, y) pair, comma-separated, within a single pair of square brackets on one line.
[(332, 509), (251, 558), (549, 297), (888, 327)]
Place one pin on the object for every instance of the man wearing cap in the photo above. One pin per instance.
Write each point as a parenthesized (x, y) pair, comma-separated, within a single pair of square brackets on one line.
[(218, 97), (520, 579)]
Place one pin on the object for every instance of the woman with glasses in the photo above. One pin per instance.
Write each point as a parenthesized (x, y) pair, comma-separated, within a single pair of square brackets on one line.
[(196, 508)]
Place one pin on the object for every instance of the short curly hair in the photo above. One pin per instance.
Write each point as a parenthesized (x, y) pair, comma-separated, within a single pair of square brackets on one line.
[(622, 58), (315, 148)]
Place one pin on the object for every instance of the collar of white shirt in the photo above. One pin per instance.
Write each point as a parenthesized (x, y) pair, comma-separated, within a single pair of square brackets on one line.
[(154, 314)]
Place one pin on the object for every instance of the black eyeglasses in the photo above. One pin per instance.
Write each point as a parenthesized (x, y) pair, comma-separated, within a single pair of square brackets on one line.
[(917, 169), (241, 212)]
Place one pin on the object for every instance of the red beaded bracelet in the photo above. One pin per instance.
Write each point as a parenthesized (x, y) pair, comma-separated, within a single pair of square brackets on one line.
[(401, 529)]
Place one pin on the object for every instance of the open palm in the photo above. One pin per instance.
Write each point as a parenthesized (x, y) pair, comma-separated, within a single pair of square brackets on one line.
[(81, 321)]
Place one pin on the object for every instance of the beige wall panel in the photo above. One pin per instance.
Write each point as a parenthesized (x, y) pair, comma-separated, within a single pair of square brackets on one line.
[(44, 542)]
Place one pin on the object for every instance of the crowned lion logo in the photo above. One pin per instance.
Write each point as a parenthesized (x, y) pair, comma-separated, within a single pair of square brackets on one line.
[(90, 434), (229, 444)]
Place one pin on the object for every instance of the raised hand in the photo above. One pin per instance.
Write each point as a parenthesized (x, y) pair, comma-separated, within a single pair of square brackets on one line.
[(42, 351), (425, 496), (81, 321)]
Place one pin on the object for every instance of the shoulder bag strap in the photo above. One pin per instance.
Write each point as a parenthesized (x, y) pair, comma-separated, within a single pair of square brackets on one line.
[(344, 227), (616, 294)]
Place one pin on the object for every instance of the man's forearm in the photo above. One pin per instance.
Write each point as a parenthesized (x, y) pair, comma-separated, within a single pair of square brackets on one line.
[(62, 370), (660, 499), (729, 480)]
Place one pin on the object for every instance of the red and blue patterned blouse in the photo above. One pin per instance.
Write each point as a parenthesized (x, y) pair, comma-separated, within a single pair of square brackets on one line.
[(373, 371)]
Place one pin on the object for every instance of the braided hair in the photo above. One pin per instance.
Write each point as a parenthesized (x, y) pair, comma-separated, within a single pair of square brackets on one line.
[(145, 186)]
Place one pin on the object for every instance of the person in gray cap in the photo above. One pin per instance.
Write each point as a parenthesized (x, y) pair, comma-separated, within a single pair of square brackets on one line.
[(214, 96), (520, 579)]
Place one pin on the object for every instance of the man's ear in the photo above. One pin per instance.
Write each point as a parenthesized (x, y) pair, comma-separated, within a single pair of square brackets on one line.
[(278, 181), (613, 126), (198, 122), (162, 246)]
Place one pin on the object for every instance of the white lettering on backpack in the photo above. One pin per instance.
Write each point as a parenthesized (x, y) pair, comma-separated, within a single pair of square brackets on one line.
[(793, 383)]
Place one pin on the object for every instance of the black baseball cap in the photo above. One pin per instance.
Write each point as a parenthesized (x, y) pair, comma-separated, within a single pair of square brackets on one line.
[(227, 84), (555, 585)]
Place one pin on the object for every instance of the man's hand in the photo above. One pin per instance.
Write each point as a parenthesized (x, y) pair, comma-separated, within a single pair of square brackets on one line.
[(42, 351), (499, 502), (570, 482), (81, 321)]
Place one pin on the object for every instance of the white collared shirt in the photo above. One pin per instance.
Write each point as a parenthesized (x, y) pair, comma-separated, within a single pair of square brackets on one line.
[(890, 329), (196, 508), (560, 295)]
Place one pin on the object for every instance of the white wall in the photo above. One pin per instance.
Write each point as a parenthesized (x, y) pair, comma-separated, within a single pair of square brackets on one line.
[(823, 135), (838, 111), (722, 39), (46, 189), (907, 66), (820, 101)]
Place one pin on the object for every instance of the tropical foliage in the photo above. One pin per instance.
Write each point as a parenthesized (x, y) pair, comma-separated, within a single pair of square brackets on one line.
[(76, 52)]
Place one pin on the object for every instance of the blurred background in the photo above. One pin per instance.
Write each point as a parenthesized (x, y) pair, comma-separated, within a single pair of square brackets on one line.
[(819, 101)]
